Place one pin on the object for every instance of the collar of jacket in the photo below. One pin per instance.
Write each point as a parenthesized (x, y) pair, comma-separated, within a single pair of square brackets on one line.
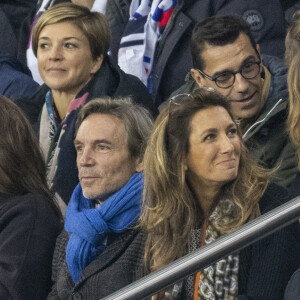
[(108, 75), (280, 106), (276, 101)]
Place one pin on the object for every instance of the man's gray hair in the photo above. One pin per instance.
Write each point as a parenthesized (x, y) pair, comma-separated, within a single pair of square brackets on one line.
[(136, 119)]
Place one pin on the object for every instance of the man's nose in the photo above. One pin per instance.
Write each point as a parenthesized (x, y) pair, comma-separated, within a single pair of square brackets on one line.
[(241, 84), (85, 157)]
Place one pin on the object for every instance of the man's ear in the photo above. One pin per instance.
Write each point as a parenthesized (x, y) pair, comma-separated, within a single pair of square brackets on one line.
[(139, 166), (259, 53), (258, 50), (197, 77), (97, 64)]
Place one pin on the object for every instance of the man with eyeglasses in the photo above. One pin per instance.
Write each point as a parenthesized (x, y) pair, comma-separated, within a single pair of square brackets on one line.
[(227, 59)]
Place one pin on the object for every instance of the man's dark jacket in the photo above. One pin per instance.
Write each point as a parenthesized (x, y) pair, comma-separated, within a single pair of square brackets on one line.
[(172, 58), (264, 267), (266, 138)]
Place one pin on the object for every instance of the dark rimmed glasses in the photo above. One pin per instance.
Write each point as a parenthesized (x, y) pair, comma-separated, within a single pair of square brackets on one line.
[(225, 80)]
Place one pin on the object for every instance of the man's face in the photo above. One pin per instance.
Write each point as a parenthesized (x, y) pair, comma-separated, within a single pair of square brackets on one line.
[(245, 95), (103, 159)]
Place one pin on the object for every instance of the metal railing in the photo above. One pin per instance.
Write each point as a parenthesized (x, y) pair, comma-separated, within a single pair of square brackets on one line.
[(203, 257)]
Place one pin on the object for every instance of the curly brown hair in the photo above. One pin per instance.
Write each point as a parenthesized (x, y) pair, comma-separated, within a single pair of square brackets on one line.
[(170, 208)]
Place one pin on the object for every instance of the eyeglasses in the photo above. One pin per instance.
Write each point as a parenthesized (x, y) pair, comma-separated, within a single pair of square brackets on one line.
[(176, 101), (180, 98), (225, 80)]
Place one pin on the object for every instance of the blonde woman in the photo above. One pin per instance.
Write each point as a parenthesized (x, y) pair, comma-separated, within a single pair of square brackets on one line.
[(199, 185), (71, 45)]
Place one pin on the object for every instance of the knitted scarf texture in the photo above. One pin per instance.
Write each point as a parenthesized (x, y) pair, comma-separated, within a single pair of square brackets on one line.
[(88, 226)]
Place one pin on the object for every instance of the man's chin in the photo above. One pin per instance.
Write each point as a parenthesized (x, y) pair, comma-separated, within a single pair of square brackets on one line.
[(246, 112), (98, 196), (247, 115), (246, 109)]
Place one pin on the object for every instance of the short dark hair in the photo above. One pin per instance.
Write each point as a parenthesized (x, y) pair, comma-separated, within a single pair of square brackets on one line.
[(217, 31), (136, 119)]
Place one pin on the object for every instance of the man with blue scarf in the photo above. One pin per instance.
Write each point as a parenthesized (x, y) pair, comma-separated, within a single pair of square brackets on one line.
[(97, 252)]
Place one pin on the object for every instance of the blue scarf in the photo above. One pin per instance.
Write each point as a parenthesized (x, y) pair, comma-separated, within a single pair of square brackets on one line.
[(88, 226)]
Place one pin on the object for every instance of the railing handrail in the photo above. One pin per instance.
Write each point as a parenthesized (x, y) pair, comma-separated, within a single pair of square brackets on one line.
[(203, 257)]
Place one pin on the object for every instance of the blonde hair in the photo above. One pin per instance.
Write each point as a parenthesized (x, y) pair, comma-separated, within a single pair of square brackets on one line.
[(93, 25), (292, 57), (170, 210)]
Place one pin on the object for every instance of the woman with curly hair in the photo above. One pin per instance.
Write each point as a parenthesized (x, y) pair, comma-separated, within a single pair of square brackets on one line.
[(200, 184)]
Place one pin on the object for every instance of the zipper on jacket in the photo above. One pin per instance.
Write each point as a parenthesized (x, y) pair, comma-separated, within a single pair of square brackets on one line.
[(260, 121)]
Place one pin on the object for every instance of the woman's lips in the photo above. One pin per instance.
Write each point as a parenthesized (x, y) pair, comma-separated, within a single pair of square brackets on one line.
[(227, 161)]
